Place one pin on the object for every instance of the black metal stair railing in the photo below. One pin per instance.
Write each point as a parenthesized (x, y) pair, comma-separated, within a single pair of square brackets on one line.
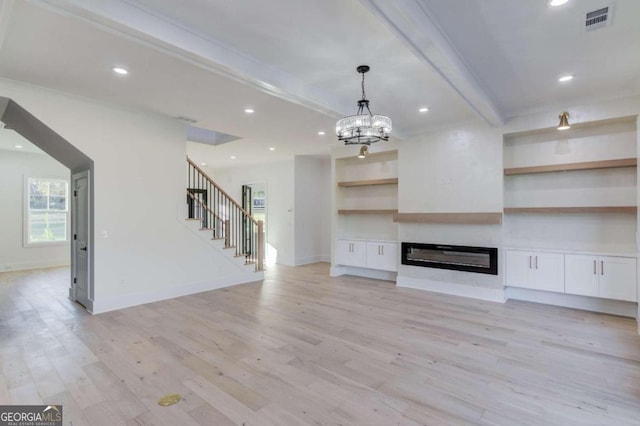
[(224, 217)]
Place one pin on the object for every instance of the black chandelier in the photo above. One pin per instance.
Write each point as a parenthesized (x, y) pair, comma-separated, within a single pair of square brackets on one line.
[(364, 128)]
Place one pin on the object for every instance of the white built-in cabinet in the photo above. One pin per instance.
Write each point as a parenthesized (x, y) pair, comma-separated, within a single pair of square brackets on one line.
[(381, 255), (573, 194), (366, 195), (607, 277), (535, 270), (601, 276)]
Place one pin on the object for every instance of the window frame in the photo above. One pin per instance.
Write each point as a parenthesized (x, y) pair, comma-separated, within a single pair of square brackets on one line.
[(26, 213)]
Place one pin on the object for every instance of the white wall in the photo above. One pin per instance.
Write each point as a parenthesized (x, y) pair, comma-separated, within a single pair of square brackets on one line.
[(143, 250), (458, 170), (15, 167), (312, 213), (278, 178)]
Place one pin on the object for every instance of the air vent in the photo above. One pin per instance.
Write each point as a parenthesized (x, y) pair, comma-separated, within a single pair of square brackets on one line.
[(599, 18), (186, 119)]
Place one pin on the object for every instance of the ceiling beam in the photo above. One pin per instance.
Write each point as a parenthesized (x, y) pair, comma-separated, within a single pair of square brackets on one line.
[(413, 23)]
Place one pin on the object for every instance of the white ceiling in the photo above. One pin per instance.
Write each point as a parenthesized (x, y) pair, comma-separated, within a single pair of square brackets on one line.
[(294, 61), (12, 141)]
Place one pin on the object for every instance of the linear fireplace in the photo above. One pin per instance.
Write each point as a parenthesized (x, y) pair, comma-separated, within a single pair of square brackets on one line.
[(483, 260)]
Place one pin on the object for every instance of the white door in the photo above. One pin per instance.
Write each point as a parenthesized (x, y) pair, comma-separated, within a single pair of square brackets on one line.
[(581, 275), (618, 278), (80, 238), (350, 253), (518, 265), (548, 272), (382, 256)]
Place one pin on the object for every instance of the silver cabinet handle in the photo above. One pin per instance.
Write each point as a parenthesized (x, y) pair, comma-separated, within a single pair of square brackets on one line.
[(382, 250), (602, 267), (536, 262), (529, 262), (594, 267), (379, 252)]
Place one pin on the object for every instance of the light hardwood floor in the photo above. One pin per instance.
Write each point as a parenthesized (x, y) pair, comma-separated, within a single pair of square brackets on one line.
[(302, 348)]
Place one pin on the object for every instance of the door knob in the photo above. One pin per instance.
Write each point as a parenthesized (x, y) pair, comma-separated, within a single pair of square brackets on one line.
[(83, 248)]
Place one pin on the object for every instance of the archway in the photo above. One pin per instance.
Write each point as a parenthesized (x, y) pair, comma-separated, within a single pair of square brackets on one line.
[(16, 118)]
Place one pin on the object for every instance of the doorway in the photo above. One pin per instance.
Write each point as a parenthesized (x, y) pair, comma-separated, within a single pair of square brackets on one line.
[(254, 201), (21, 121)]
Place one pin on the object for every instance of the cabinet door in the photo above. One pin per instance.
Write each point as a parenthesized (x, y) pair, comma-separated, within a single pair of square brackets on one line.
[(518, 268), (343, 251), (548, 272), (350, 253), (382, 256), (581, 275), (618, 278)]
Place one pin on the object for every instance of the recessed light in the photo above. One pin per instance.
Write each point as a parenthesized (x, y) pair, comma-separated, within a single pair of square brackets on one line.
[(203, 164), (233, 157), (120, 70), (321, 133), (566, 78), (423, 109), (272, 149), (555, 3), (18, 146), (249, 111)]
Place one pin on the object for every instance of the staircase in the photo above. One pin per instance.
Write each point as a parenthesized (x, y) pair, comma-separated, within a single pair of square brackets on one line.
[(218, 213)]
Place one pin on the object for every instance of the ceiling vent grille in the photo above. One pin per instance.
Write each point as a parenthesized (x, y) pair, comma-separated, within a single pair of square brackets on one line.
[(599, 18)]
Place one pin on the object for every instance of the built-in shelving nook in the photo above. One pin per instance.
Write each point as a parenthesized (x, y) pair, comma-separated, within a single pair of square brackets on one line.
[(572, 190), (367, 196)]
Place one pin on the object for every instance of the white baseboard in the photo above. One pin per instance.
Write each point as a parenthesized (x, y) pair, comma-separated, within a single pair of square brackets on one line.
[(312, 259), (31, 264), (101, 305), (375, 274), (482, 293), (607, 306)]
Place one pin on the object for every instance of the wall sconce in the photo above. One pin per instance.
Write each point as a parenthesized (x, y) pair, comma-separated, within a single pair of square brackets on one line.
[(363, 152), (564, 121)]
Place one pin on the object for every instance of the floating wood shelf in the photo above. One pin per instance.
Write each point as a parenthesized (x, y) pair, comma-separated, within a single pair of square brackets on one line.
[(589, 165), (490, 218), (600, 209), (368, 211), (390, 181)]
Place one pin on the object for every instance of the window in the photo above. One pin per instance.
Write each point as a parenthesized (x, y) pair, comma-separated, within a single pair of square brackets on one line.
[(47, 210)]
